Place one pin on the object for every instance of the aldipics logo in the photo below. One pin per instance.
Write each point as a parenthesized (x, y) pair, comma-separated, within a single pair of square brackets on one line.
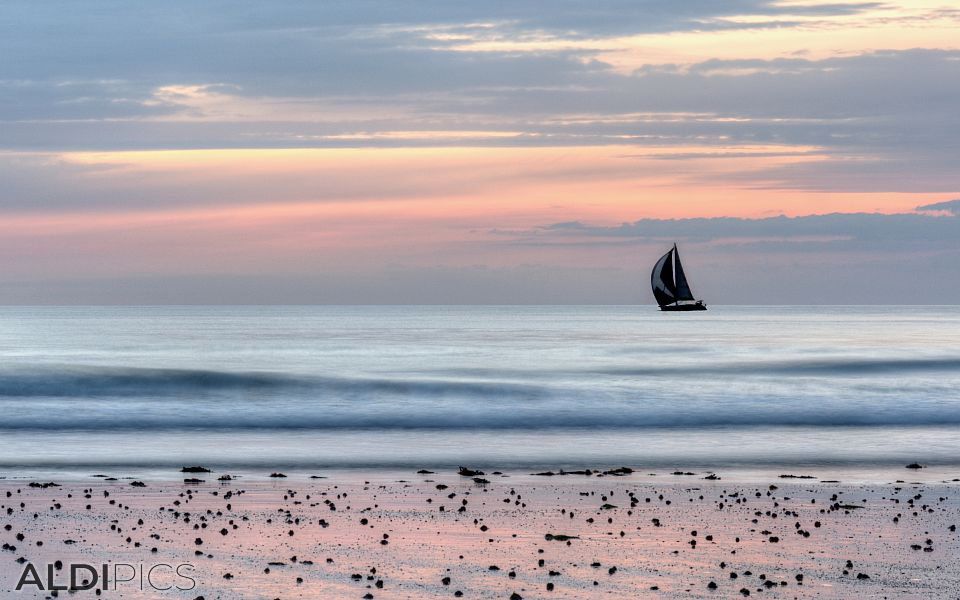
[(78, 577)]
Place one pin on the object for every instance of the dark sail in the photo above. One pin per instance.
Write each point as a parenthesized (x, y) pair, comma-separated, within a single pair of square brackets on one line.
[(664, 289), (670, 286), (682, 288)]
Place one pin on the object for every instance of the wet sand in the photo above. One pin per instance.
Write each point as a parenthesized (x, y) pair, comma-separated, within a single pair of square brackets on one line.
[(436, 535)]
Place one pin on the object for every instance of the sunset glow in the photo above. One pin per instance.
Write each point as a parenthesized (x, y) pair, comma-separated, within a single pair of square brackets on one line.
[(455, 141)]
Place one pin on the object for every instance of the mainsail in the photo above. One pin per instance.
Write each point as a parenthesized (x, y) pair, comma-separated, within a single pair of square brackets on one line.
[(683, 288), (668, 280)]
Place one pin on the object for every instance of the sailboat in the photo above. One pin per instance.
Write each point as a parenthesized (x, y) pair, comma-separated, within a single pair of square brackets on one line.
[(670, 285)]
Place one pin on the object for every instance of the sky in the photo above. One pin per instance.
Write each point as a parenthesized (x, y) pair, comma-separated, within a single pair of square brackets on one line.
[(521, 152)]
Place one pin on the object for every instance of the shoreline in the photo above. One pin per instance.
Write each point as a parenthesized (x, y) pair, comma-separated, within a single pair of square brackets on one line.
[(401, 534), (659, 449), (848, 473)]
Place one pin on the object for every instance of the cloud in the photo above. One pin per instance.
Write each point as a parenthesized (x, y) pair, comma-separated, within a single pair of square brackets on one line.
[(116, 75), (112, 62), (951, 207), (888, 118), (844, 231), (763, 105)]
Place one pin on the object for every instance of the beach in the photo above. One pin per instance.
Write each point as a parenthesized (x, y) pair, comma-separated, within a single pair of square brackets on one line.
[(614, 532)]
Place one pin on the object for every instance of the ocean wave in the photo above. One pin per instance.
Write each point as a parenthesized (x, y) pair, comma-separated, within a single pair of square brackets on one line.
[(437, 420), (796, 367), (88, 381), (573, 411), (834, 366), (92, 382), (115, 399)]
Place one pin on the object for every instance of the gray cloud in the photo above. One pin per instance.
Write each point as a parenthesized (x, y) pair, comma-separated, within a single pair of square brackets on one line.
[(850, 231), (950, 206), (67, 61), (86, 77), (889, 115)]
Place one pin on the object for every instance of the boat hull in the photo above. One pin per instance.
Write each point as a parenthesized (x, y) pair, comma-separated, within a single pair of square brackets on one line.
[(683, 307)]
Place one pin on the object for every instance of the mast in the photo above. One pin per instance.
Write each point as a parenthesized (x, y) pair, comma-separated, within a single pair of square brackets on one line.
[(676, 259)]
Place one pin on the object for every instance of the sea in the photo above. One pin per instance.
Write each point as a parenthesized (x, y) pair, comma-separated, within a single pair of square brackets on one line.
[(311, 388)]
